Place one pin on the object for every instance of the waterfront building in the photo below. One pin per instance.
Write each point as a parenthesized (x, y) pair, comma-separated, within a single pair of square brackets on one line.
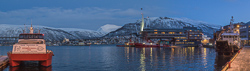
[(244, 34), (182, 36)]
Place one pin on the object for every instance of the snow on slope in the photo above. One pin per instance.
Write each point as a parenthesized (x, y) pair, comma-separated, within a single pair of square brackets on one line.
[(108, 28), (166, 22), (50, 33)]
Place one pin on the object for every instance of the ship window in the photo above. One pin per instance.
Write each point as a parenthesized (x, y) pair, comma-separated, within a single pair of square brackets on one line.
[(26, 36), (41, 36), (30, 36), (21, 36), (36, 36)]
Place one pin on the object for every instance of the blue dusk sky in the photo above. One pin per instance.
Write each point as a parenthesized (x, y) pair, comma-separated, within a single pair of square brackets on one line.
[(92, 14)]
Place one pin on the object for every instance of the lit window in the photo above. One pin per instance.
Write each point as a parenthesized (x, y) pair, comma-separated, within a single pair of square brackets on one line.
[(180, 32), (190, 35), (173, 32), (155, 32), (162, 32), (170, 32), (198, 35), (238, 25), (190, 30), (177, 40)]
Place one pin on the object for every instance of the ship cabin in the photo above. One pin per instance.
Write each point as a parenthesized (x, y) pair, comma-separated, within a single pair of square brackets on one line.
[(232, 38), (31, 38)]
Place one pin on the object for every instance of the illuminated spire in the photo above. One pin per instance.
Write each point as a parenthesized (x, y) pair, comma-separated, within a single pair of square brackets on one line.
[(142, 22)]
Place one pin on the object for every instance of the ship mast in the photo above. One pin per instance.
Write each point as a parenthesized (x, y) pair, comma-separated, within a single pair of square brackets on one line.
[(231, 24), (31, 28)]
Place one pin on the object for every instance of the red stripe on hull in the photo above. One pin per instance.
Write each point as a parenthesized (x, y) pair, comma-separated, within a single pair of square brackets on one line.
[(44, 59)]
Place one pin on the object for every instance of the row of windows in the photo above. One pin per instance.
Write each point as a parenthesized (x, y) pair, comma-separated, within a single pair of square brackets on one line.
[(180, 37), (194, 35), (169, 32), (31, 36), (232, 36), (184, 42)]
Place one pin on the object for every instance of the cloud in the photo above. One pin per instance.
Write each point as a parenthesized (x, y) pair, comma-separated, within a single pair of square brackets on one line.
[(86, 18)]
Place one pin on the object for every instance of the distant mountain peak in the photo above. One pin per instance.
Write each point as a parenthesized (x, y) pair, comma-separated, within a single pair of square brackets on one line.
[(108, 28)]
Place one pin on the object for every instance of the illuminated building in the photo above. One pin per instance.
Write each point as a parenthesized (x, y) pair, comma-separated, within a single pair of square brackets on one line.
[(184, 36)]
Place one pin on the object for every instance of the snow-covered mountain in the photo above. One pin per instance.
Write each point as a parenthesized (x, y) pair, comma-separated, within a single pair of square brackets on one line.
[(49, 32), (108, 28), (165, 22)]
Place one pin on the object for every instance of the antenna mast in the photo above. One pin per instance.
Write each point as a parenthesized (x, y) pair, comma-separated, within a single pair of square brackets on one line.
[(24, 28), (231, 24), (31, 28)]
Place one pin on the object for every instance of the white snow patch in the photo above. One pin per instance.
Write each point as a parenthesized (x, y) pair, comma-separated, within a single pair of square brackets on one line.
[(108, 28)]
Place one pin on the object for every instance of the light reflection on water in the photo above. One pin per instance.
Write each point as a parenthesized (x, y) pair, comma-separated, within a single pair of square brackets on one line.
[(110, 57)]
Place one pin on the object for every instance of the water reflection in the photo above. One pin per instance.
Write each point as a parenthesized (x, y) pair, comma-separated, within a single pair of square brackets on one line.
[(30, 66), (112, 58), (180, 58)]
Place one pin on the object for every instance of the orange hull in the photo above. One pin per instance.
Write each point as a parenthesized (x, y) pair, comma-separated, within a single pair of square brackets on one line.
[(44, 59)]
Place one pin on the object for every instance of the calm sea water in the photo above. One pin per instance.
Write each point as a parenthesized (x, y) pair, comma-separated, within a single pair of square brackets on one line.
[(112, 58)]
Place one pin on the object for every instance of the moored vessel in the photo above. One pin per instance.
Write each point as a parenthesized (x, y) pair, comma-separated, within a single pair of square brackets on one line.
[(30, 47), (229, 40)]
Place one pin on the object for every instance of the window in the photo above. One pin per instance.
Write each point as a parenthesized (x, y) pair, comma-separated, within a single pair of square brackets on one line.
[(21, 36), (180, 32), (170, 32), (41, 36), (30, 36), (36, 36), (155, 32), (162, 32)]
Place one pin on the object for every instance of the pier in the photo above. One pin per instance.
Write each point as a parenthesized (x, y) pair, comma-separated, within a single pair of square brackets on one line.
[(3, 62), (241, 61)]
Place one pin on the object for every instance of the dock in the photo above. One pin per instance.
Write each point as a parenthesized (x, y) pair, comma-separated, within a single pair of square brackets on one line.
[(241, 62), (3, 62)]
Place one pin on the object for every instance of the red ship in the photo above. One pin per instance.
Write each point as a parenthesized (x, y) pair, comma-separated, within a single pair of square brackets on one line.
[(30, 47)]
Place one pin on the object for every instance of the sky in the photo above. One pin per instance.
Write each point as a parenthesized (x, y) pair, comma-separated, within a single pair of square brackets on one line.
[(92, 14)]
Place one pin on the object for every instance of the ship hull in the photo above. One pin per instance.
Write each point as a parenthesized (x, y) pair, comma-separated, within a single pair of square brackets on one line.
[(44, 59)]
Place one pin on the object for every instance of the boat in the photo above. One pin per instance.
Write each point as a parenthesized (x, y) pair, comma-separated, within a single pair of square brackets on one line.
[(127, 44), (30, 47), (229, 42)]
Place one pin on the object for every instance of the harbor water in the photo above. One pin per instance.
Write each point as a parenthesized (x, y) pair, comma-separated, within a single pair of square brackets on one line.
[(112, 58)]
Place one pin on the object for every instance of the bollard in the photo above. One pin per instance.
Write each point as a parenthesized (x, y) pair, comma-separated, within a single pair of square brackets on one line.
[(229, 64)]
